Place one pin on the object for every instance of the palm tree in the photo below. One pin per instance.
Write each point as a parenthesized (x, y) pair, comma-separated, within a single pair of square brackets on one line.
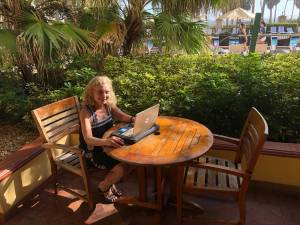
[(169, 21), (270, 5), (247, 4), (297, 4), (276, 3), (263, 6), (285, 6), (34, 40), (293, 10)]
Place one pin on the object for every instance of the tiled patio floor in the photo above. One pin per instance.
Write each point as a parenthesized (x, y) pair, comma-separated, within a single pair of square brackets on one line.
[(264, 207)]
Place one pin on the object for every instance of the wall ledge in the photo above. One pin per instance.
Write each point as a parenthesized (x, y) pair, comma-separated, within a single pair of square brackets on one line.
[(272, 148), (20, 158)]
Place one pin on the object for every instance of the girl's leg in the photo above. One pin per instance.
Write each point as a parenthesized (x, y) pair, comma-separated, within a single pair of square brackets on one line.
[(114, 175)]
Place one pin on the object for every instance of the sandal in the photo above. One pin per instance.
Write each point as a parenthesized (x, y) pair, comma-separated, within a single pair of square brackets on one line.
[(109, 195), (116, 191)]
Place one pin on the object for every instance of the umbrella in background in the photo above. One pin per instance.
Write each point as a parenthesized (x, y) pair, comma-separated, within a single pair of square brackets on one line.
[(238, 14)]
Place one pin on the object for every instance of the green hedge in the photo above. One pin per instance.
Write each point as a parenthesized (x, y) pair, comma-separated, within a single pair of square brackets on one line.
[(217, 91)]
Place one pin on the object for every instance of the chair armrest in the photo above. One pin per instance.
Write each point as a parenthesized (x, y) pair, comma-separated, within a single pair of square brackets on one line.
[(228, 139), (223, 169), (64, 147)]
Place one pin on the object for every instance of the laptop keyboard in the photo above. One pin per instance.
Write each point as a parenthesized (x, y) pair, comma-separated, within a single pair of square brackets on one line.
[(128, 133)]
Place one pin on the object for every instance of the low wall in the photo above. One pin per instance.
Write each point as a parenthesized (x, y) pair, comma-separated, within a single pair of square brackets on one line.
[(273, 169), (278, 162), (21, 174)]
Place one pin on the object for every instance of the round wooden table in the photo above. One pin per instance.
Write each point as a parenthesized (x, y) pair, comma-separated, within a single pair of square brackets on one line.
[(180, 140)]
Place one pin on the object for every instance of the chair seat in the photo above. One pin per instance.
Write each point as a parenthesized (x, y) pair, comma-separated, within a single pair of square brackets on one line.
[(201, 178), (70, 161)]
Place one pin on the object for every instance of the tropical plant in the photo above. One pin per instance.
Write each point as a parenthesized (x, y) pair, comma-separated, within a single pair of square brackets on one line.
[(169, 22), (35, 37)]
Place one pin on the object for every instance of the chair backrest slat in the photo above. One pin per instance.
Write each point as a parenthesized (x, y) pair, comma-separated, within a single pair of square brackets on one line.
[(252, 139), (63, 130), (60, 122), (57, 119), (61, 115)]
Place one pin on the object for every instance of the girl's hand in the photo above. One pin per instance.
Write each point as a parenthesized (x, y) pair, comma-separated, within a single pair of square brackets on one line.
[(114, 141)]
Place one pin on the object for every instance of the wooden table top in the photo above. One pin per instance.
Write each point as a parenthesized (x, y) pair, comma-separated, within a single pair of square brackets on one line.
[(180, 140)]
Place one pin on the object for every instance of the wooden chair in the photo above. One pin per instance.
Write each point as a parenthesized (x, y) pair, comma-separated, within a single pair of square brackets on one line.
[(219, 177), (56, 122)]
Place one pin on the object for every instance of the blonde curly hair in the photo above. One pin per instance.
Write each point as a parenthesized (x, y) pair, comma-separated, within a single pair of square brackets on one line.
[(95, 82)]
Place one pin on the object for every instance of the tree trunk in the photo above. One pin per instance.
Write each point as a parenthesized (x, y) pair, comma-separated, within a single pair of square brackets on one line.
[(263, 9), (270, 19), (26, 73), (134, 27), (285, 6), (275, 14), (293, 9)]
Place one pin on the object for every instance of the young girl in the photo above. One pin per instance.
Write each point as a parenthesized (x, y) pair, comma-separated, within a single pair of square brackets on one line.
[(99, 106)]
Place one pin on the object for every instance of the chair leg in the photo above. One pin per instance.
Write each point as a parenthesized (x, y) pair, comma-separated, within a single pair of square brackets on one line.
[(54, 178), (86, 182), (179, 200), (87, 187), (242, 207), (53, 170), (55, 183), (2, 219)]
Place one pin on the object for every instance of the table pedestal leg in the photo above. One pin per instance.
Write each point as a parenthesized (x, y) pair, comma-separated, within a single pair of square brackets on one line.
[(142, 179)]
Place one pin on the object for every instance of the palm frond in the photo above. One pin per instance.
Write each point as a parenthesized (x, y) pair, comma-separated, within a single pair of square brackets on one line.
[(40, 42), (110, 37), (48, 39), (182, 6), (78, 40), (179, 32)]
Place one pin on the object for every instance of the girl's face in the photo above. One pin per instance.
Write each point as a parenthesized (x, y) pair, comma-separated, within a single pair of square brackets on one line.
[(101, 94)]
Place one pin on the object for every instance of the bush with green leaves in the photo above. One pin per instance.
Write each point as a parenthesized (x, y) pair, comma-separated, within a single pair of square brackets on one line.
[(217, 91)]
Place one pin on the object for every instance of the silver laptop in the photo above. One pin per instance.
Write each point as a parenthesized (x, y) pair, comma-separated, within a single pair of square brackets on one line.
[(143, 121)]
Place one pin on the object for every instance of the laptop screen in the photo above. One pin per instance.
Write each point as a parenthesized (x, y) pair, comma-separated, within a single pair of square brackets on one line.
[(145, 119)]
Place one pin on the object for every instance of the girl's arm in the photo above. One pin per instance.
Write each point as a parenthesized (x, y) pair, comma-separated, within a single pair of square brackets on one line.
[(88, 135), (120, 115)]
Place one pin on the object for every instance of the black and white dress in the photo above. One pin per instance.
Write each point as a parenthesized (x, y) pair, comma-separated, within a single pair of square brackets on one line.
[(95, 156)]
